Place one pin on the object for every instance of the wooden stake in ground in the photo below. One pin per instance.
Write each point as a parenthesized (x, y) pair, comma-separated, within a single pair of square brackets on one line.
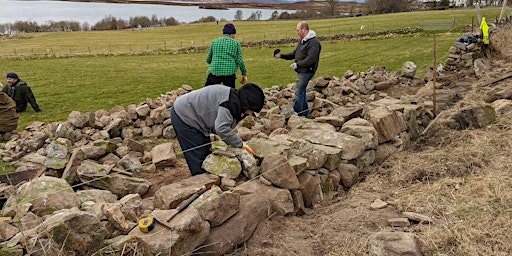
[(478, 13), (435, 77), (503, 10)]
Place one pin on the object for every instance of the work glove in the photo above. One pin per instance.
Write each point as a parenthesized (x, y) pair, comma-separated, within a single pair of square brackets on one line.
[(246, 147), (277, 53), (244, 80), (293, 66)]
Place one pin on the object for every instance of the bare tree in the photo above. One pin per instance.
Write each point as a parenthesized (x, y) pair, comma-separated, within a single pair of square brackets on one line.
[(371, 6), (274, 16), (387, 6), (259, 14), (252, 17), (331, 5), (239, 15), (415, 5)]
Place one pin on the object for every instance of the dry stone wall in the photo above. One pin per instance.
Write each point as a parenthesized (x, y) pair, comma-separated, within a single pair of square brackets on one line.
[(92, 193)]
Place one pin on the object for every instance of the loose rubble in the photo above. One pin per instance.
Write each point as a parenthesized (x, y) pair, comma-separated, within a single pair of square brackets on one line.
[(93, 193)]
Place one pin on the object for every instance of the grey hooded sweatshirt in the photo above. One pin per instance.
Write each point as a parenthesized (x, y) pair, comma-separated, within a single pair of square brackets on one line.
[(201, 109)]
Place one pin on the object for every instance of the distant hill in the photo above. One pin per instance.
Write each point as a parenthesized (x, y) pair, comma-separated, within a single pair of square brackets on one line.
[(253, 1), (288, 1)]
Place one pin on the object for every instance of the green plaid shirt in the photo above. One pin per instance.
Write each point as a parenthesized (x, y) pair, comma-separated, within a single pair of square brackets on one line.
[(225, 57)]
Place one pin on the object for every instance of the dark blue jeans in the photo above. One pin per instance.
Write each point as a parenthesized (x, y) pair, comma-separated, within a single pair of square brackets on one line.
[(301, 101), (226, 80), (194, 144)]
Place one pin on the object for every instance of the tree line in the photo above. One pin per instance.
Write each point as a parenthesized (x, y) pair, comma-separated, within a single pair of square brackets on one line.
[(390, 6), (112, 23), (329, 10)]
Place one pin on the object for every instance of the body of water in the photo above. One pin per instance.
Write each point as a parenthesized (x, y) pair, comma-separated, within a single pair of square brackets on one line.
[(43, 11)]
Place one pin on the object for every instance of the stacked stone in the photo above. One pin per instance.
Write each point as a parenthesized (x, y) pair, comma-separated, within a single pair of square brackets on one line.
[(299, 163), (462, 53)]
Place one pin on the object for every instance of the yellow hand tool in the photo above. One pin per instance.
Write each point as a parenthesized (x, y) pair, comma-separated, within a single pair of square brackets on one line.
[(146, 224)]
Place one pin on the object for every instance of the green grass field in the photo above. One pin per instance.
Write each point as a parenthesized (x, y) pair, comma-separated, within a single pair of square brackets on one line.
[(87, 71)]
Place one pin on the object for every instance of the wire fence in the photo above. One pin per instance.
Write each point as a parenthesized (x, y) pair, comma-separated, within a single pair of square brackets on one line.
[(193, 43), (438, 25)]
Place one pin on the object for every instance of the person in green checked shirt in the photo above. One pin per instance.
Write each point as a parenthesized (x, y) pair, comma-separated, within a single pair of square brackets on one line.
[(225, 58)]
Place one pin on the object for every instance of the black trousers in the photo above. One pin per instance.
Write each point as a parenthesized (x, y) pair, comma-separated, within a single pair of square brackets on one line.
[(194, 144), (226, 80)]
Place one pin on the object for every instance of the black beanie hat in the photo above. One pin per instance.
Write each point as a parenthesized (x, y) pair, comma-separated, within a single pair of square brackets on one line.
[(251, 97), (12, 75), (229, 29)]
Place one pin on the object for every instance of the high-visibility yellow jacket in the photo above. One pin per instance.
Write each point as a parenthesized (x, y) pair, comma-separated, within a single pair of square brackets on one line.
[(485, 31)]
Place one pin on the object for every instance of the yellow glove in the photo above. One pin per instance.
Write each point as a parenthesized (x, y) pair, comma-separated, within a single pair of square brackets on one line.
[(244, 146)]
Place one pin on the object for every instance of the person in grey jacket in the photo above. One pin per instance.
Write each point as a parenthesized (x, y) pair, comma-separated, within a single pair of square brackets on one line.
[(306, 56), (214, 109)]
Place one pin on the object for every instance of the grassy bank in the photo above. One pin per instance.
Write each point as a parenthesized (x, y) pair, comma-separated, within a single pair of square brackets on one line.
[(88, 81)]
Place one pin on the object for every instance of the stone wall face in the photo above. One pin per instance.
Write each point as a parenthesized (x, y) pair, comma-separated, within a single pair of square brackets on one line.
[(356, 121)]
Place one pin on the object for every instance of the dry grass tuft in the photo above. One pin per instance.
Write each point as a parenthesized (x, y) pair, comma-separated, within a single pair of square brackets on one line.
[(132, 247), (444, 154), (500, 42), (462, 179)]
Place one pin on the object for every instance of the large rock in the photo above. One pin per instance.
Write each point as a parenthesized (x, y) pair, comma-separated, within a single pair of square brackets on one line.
[(163, 155), (276, 169), (311, 189), (58, 153), (96, 195), (222, 166), (122, 185), (69, 231), (7, 231), (387, 123), (475, 116), (363, 129), (280, 199), (131, 163), (116, 217), (44, 195), (264, 147), (78, 120), (239, 228), (351, 146), (333, 156), (408, 69), (188, 232), (217, 206), (315, 156), (394, 243), (170, 196), (70, 172), (347, 112), (349, 174)]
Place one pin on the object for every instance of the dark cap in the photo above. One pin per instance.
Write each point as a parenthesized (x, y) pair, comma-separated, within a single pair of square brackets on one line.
[(12, 75), (251, 97), (229, 29)]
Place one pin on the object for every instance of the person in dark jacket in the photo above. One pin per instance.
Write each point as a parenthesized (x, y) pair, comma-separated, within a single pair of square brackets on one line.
[(8, 115), (20, 92), (306, 56), (214, 109)]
